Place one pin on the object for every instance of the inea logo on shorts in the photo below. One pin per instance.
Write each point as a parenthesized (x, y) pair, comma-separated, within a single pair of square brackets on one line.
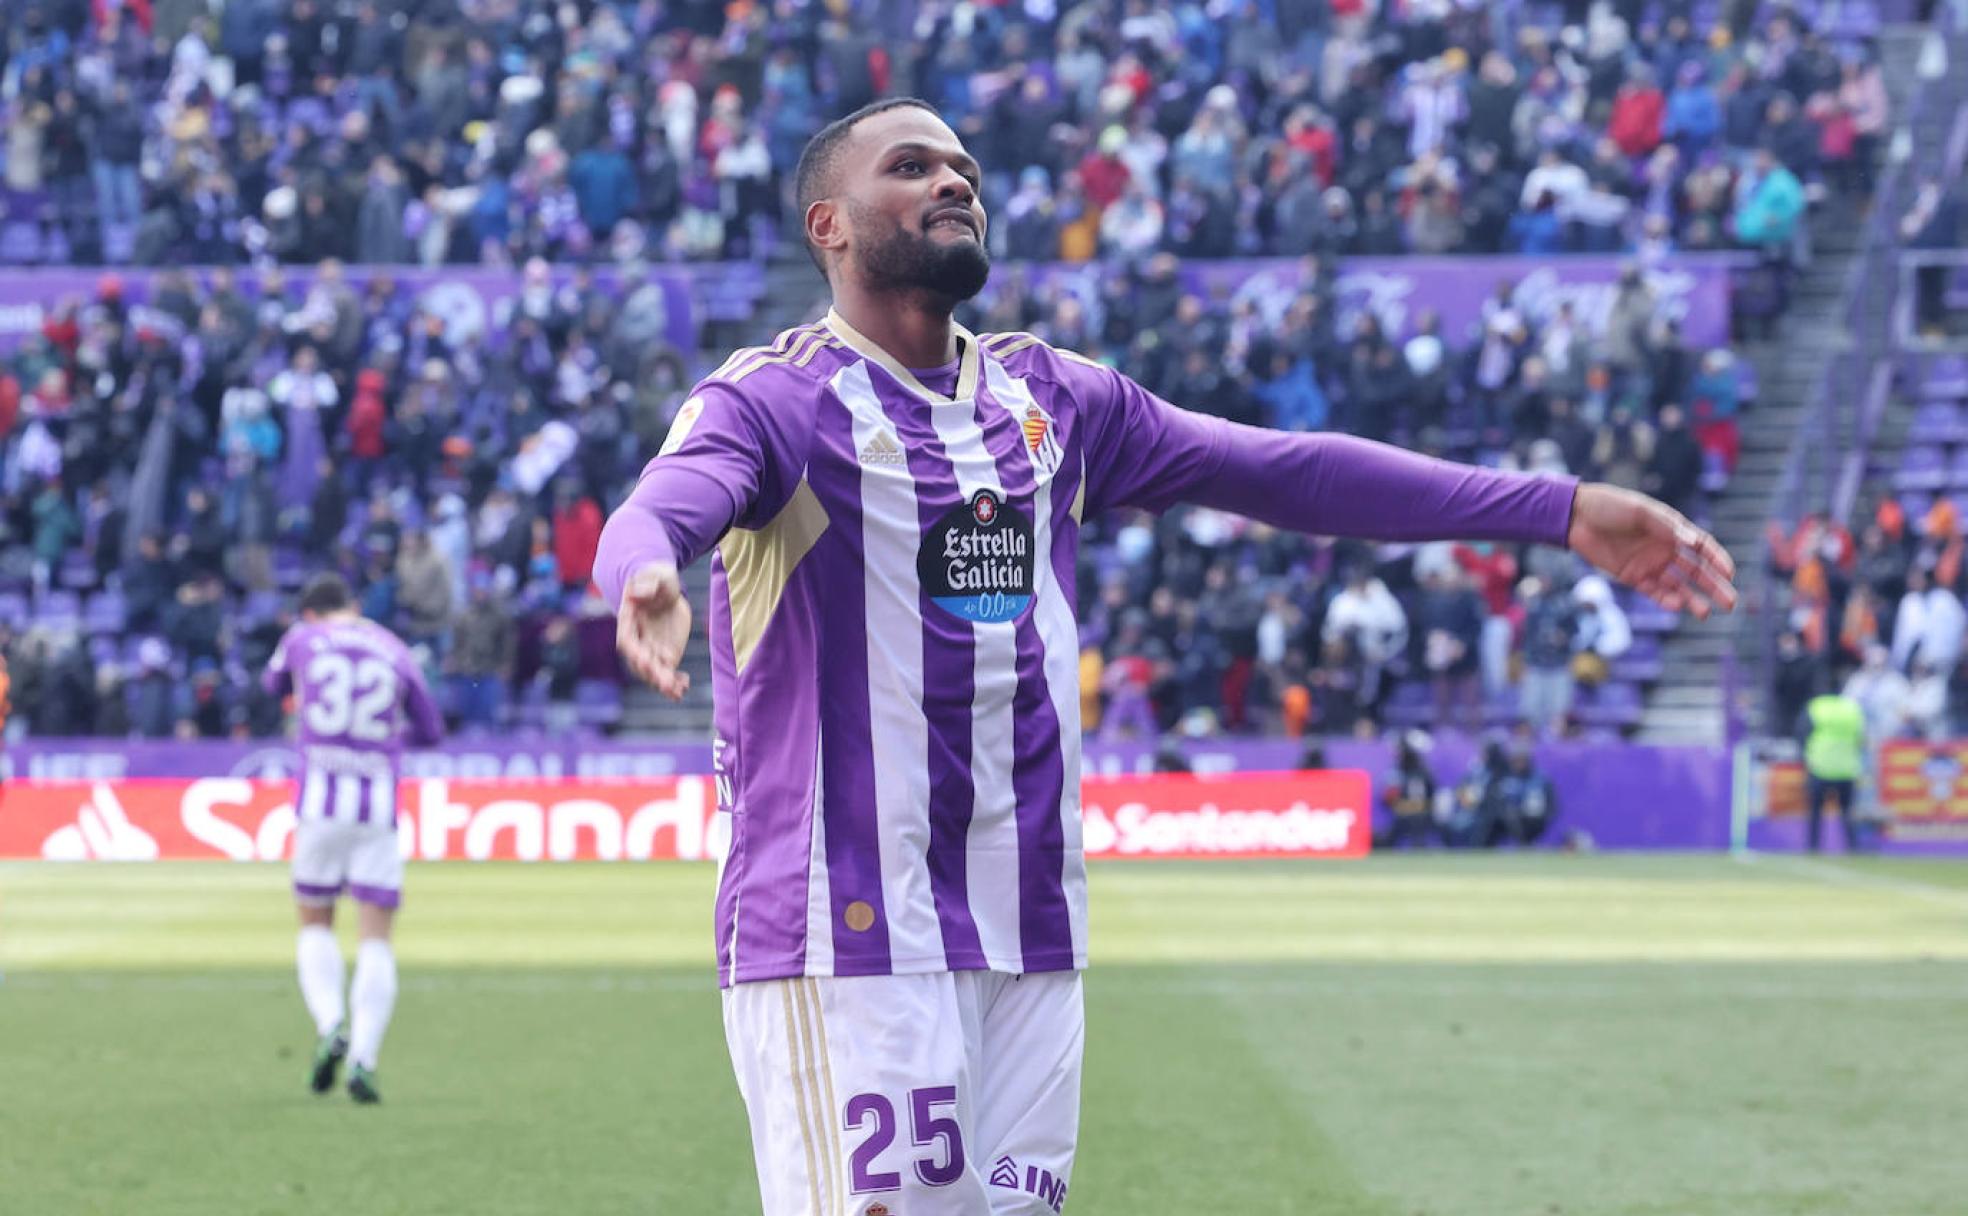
[(1033, 1180), (977, 561)]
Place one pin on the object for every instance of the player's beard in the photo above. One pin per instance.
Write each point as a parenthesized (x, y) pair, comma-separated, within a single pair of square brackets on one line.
[(893, 258)]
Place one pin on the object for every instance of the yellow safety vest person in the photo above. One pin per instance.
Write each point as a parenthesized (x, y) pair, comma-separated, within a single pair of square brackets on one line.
[(1835, 748)]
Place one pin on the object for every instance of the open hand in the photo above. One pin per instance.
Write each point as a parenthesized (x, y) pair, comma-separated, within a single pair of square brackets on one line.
[(652, 628), (1652, 548)]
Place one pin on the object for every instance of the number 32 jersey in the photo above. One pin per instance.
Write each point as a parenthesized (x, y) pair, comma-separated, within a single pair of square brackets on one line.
[(359, 699)]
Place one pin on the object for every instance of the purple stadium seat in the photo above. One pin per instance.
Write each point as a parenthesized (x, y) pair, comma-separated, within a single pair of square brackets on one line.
[(1500, 709), (1958, 469), (261, 606), (21, 244), (59, 610), (1642, 663), (529, 710), (289, 568), (78, 571), (13, 609), (1715, 473), (106, 613), (1748, 384), (1646, 616), (1852, 22), (1614, 703), (1945, 378), (1915, 503), (1922, 467), (1936, 422), (598, 703)]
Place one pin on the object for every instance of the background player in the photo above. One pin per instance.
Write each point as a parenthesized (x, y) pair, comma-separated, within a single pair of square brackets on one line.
[(359, 697), (896, 506)]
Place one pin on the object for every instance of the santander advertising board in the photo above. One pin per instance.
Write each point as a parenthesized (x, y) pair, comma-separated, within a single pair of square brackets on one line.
[(1243, 815)]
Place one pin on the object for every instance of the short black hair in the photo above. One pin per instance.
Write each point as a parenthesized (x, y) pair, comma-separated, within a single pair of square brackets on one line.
[(814, 178), (326, 593)]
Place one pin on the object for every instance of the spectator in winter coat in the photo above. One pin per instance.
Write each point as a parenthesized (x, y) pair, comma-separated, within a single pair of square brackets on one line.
[(1694, 113), (1770, 203), (1637, 113), (1929, 625), (423, 588), (576, 532), (1675, 468), (1292, 396)]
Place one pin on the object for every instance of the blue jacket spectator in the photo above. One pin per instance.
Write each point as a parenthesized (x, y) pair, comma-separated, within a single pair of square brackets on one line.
[(1770, 210), (1694, 113)]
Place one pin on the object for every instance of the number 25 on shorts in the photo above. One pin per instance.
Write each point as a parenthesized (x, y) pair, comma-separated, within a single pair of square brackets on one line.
[(932, 1125)]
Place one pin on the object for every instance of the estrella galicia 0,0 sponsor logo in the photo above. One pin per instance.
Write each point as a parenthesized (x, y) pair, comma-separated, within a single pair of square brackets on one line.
[(978, 562)]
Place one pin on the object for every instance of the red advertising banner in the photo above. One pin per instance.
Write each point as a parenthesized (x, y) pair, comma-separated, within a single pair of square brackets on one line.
[(1232, 816), (1924, 789), (1245, 815)]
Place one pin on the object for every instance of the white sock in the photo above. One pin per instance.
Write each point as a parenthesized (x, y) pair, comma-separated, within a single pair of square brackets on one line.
[(318, 958), (374, 998)]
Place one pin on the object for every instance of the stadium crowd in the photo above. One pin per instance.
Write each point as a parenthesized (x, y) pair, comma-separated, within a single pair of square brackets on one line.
[(168, 471), (1203, 622), (449, 131), (1878, 617)]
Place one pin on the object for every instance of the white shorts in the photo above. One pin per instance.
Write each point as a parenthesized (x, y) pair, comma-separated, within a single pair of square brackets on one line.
[(334, 855), (951, 1094)]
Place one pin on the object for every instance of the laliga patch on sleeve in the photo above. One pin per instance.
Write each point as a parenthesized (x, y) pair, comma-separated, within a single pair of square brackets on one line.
[(977, 561), (681, 426)]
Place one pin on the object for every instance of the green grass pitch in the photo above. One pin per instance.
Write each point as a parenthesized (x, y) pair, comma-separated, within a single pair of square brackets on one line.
[(1508, 1035)]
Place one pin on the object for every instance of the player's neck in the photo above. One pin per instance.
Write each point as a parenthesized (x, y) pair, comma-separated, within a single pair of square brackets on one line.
[(916, 333)]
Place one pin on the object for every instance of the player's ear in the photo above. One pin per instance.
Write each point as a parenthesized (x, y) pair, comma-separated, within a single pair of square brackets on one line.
[(826, 226)]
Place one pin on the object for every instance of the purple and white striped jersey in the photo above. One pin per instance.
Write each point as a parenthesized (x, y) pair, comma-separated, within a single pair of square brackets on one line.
[(895, 652), (359, 699)]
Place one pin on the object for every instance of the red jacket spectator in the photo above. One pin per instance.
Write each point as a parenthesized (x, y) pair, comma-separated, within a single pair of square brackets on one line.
[(1495, 575), (1315, 141), (1104, 177), (138, 9), (10, 399), (1636, 122), (366, 417), (577, 531)]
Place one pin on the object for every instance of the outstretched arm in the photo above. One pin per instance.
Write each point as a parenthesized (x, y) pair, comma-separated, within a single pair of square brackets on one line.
[(1142, 451)]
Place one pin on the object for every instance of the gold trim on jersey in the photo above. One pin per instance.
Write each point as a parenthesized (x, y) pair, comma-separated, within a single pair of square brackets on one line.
[(745, 354), (798, 354), (759, 563), (966, 365), (1000, 345)]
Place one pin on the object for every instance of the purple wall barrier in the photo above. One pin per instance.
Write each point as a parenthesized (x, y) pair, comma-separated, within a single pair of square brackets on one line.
[(1625, 797), (467, 297), (1694, 289)]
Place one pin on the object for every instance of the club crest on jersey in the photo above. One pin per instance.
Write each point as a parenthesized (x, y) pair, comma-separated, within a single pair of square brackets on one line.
[(1041, 440), (977, 561)]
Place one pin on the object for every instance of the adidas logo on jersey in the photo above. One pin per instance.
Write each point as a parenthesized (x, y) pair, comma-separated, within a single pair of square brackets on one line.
[(882, 450)]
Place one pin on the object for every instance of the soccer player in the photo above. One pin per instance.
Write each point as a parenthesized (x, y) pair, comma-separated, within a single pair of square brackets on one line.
[(360, 697), (895, 506)]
